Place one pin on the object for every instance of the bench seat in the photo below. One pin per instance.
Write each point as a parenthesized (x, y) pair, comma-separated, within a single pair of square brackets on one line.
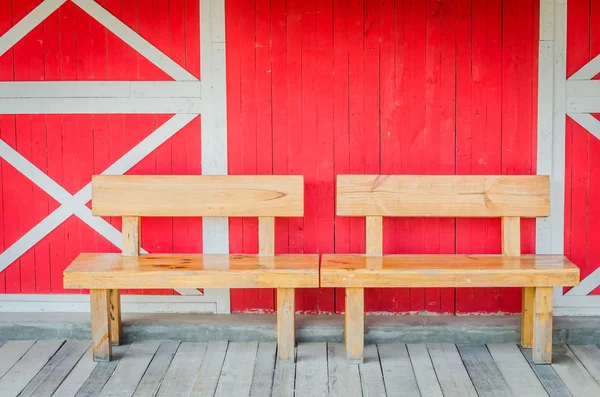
[(114, 271), (447, 271)]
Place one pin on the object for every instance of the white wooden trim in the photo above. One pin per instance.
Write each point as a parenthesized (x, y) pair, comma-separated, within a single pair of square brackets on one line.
[(137, 42), (28, 23), (100, 105), (130, 303), (585, 104), (587, 121), (588, 71), (583, 88), (215, 231), (101, 89)]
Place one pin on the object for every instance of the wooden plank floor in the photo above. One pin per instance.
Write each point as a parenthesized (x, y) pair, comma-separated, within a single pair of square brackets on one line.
[(173, 369)]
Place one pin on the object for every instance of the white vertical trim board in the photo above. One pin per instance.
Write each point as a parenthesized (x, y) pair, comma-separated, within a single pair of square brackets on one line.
[(215, 230)]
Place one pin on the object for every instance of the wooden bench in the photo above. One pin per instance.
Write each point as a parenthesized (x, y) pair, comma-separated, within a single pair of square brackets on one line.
[(132, 197), (507, 197)]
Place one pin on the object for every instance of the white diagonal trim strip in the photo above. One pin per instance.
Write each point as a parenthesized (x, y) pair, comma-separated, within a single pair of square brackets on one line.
[(588, 122), (101, 89), (27, 24), (587, 285), (137, 42), (583, 88), (588, 71)]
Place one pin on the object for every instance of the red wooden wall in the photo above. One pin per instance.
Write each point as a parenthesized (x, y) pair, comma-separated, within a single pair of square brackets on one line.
[(582, 176), (321, 88), (315, 87)]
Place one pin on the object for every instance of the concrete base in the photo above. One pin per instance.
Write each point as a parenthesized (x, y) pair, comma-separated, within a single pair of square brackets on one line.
[(261, 327)]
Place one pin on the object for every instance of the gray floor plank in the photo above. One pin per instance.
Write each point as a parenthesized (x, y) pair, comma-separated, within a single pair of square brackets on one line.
[(100, 373), (11, 352), (484, 373), (344, 377), (24, 370), (156, 371), (47, 380), (573, 374), (589, 355), (547, 376), (77, 376), (262, 379), (238, 368), (179, 380), (284, 379), (398, 374), (371, 377), (311, 370), (130, 369), (515, 370), (424, 372), (208, 376), (450, 370)]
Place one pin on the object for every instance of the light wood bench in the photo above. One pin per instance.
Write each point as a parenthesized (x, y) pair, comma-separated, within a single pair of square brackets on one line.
[(132, 197), (507, 197)]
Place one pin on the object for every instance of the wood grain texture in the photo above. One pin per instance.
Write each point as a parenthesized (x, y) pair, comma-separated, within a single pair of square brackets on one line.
[(205, 195), (207, 378), (547, 376), (374, 235), (452, 196), (157, 369), (286, 327), (521, 380), (398, 374), (511, 235), (193, 271), (56, 370), (266, 235), (284, 379), (264, 366), (132, 236), (484, 373), (11, 351), (344, 378), (101, 345), (450, 370), (371, 377), (340, 270), (354, 324), (589, 355), (236, 376), (80, 373), (542, 325), (114, 316), (17, 378), (527, 317), (311, 370), (573, 373), (424, 372), (179, 379)]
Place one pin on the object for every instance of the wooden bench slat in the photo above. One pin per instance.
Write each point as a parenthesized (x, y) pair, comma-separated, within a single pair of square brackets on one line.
[(447, 271), (454, 196), (198, 195), (112, 271)]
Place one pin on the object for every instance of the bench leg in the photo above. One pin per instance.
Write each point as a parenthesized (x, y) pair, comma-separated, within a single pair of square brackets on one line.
[(527, 318), (286, 331), (354, 324), (542, 325), (114, 296), (99, 302)]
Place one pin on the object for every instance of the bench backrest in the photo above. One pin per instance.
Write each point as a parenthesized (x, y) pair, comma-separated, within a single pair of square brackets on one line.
[(134, 196), (471, 196)]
